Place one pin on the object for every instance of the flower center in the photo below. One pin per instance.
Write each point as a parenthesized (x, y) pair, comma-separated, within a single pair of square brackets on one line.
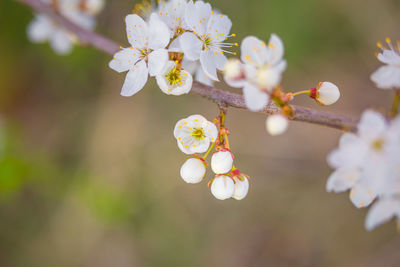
[(198, 133), (378, 144), (144, 53), (174, 77)]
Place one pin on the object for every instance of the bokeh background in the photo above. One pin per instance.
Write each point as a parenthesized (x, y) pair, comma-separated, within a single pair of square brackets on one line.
[(89, 178)]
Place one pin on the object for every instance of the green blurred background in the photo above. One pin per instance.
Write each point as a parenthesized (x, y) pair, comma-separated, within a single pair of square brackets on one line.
[(89, 178)]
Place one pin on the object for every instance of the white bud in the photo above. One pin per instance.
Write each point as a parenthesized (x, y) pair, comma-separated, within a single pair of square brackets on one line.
[(94, 7), (268, 78), (277, 124), (222, 162), (222, 187), (193, 171), (241, 188), (327, 93), (233, 69)]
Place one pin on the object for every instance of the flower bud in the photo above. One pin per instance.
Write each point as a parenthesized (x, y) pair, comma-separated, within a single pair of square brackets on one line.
[(276, 124), (193, 171), (268, 78), (222, 161), (93, 7), (233, 69), (222, 187), (241, 188), (326, 93)]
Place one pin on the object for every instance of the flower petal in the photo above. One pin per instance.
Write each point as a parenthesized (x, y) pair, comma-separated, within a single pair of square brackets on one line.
[(255, 99), (381, 212), (372, 125), (361, 196), (135, 79), (387, 77), (191, 46), (40, 29), (159, 33), (124, 59), (275, 50), (157, 61), (136, 30), (342, 180), (208, 63), (197, 16), (253, 51), (61, 42), (219, 25), (201, 77)]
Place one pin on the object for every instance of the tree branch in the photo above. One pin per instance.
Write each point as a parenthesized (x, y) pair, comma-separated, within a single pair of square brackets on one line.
[(215, 95)]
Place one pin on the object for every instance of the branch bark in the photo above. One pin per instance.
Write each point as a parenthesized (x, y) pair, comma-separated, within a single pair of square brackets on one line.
[(218, 96)]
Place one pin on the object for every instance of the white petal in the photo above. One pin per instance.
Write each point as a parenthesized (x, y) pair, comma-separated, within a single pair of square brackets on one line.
[(159, 34), (191, 46), (381, 212), (201, 77), (275, 50), (220, 25), (387, 77), (220, 61), (255, 99), (135, 79), (136, 30), (157, 61), (372, 125), (342, 180), (61, 42), (197, 16), (361, 196), (208, 63), (241, 189), (389, 57), (253, 51), (124, 59), (40, 29)]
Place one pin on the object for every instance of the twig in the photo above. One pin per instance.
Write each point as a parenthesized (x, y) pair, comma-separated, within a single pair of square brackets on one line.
[(215, 95)]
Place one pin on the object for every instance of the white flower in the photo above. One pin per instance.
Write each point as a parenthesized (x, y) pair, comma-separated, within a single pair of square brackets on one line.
[(206, 41), (382, 211), (174, 80), (388, 76), (222, 161), (262, 70), (222, 187), (326, 93), (367, 163), (193, 171), (194, 134), (147, 55), (233, 70), (276, 124), (241, 188)]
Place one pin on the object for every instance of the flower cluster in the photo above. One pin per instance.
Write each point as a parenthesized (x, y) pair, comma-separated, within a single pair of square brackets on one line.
[(196, 134), (368, 164), (171, 42), (80, 12)]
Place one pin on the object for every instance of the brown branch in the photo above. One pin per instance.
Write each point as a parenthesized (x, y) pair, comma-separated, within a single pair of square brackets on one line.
[(217, 96)]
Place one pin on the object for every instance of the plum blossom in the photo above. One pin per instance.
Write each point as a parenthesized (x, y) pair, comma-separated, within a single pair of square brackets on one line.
[(388, 76), (276, 124), (195, 134), (147, 54), (223, 187), (260, 72), (367, 163), (81, 12), (326, 93), (193, 170), (174, 80), (222, 161), (173, 15), (206, 39)]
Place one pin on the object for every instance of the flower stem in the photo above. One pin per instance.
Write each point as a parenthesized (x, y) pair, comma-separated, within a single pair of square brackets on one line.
[(208, 151), (226, 141), (305, 92), (396, 100)]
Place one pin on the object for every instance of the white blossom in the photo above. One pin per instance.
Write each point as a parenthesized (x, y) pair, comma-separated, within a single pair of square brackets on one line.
[(194, 134), (367, 163), (277, 124), (222, 161), (173, 14), (193, 171), (382, 211), (173, 80), (326, 93), (388, 76), (222, 187), (147, 55), (206, 39), (261, 72), (241, 188)]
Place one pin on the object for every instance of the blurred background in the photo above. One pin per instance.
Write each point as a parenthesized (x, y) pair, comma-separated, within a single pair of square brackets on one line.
[(90, 178)]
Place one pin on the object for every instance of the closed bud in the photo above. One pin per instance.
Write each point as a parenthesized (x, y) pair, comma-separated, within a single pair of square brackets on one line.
[(277, 124), (93, 7), (222, 187), (222, 161), (193, 171), (241, 188), (326, 93), (233, 69)]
